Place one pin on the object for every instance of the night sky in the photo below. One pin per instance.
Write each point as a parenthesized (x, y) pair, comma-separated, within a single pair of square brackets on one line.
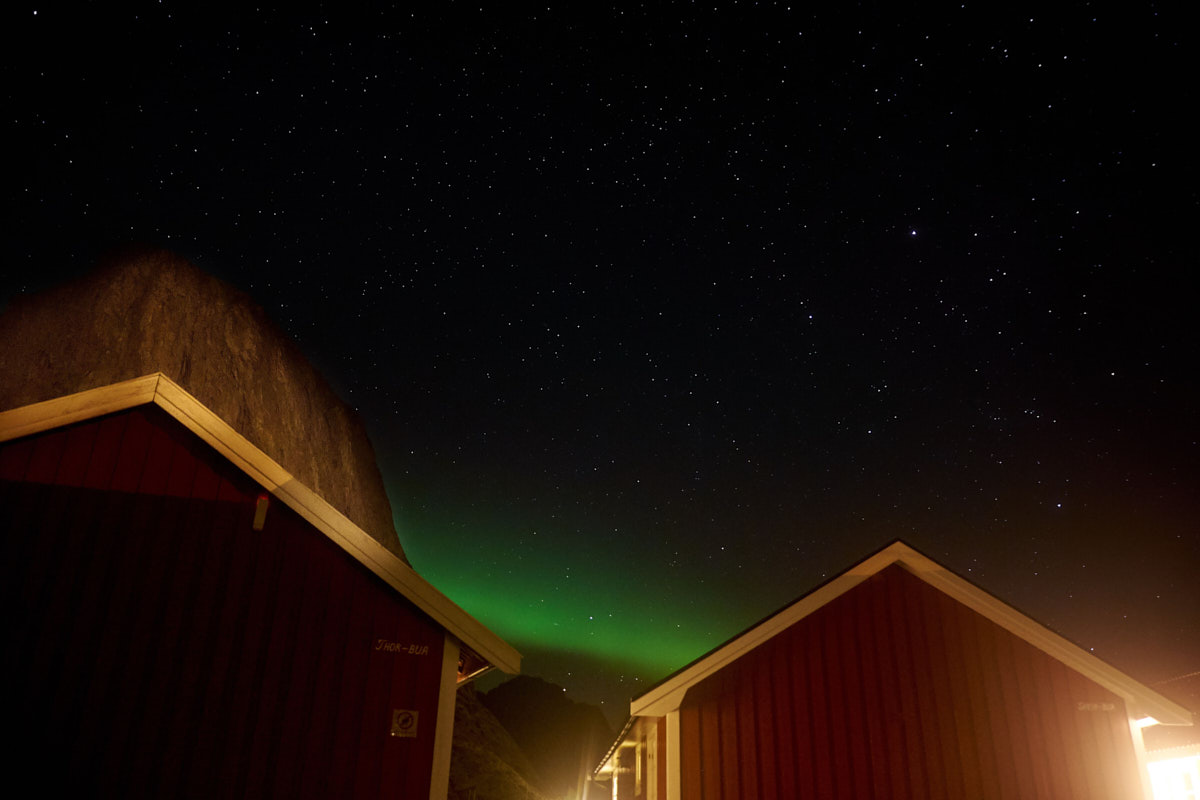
[(658, 317)]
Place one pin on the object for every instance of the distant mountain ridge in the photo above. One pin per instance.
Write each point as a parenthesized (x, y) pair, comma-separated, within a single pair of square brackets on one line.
[(524, 740), (563, 739)]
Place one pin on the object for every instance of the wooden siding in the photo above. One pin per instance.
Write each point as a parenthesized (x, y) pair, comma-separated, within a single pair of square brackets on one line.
[(895, 690), (155, 645)]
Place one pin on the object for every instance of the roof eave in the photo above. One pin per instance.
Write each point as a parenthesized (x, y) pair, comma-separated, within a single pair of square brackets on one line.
[(1141, 701), (194, 415)]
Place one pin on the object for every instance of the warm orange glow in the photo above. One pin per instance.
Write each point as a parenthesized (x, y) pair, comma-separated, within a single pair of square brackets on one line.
[(1176, 778)]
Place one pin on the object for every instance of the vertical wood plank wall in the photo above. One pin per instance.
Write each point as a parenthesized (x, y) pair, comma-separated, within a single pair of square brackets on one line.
[(157, 646), (894, 690)]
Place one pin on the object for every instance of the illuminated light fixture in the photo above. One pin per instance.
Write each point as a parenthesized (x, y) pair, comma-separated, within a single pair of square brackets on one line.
[(1175, 778), (260, 511), (1145, 722)]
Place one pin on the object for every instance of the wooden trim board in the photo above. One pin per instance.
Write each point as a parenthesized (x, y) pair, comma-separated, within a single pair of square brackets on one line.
[(196, 417)]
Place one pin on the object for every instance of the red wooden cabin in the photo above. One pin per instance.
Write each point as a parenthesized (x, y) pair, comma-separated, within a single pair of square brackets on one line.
[(184, 618), (896, 679)]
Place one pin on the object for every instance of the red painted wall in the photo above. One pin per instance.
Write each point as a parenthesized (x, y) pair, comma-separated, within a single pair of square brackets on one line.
[(894, 690), (157, 646)]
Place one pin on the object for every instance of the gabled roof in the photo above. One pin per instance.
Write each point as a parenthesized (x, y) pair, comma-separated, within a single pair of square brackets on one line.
[(146, 310), (1141, 701), (159, 390)]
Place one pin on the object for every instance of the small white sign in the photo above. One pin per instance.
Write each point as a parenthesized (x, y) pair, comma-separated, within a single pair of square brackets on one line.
[(404, 723)]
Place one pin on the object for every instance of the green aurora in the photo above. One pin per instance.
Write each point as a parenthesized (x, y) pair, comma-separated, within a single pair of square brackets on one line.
[(608, 609)]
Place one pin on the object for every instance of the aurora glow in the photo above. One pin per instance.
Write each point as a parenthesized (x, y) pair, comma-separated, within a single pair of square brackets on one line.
[(657, 317), (601, 608)]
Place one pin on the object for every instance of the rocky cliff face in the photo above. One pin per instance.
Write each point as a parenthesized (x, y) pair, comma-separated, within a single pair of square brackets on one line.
[(486, 764), (148, 311)]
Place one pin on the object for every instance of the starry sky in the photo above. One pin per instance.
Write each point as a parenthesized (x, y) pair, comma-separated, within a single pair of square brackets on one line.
[(660, 315)]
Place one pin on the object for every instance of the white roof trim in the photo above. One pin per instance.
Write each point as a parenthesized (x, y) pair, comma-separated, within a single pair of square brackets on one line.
[(196, 417), (1140, 700)]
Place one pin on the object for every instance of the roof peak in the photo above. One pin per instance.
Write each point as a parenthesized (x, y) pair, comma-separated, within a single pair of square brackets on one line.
[(666, 695), (146, 310)]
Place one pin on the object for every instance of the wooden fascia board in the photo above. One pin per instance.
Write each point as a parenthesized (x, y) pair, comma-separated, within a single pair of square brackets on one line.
[(196, 417), (668, 696), (1140, 699), (607, 764), (71, 408), (323, 516)]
